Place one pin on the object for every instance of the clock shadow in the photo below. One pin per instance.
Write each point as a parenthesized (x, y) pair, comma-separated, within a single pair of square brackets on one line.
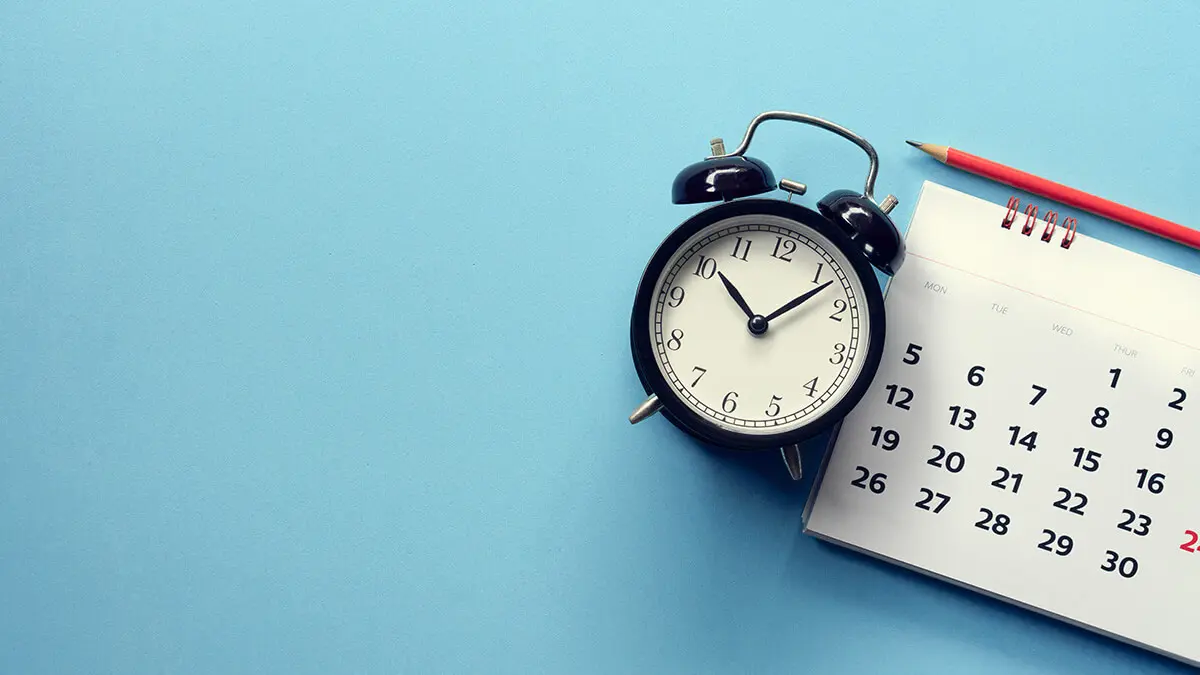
[(764, 471)]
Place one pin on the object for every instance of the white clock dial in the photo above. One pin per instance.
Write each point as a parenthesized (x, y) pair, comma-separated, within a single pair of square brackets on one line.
[(808, 357)]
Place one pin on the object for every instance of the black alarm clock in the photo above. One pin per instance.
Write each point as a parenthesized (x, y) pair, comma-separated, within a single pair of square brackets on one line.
[(759, 323)]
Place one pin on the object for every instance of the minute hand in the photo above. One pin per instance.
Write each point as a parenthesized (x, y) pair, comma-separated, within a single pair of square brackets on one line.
[(798, 301)]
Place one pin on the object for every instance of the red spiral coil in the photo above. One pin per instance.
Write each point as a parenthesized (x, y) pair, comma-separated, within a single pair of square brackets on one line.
[(1013, 204), (1031, 216), (1030, 219)]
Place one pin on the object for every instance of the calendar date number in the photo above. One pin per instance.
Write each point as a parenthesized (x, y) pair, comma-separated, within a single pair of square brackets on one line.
[(1124, 565), (888, 439), (1155, 483), (1027, 440), (1071, 502), (1180, 397), (1088, 460), (975, 376), (1165, 438), (996, 523), (947, 459), (1058, 544), (901, 397), (963, 418), (1007, 480), (875, 482), (1133, 522), (912, 355), (932, 501), (1190, 544), (1137, 523)]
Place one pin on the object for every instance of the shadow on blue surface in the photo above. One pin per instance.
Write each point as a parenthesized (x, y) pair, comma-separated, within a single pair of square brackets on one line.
[(827, 574)]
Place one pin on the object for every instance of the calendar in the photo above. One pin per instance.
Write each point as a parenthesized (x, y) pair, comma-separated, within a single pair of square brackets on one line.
[(1033, 432)]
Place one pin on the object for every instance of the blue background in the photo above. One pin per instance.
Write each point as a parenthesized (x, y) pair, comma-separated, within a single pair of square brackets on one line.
[(314, 321)]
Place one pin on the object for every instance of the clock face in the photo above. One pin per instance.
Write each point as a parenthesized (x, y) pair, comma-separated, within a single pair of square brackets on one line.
[(759, 324)]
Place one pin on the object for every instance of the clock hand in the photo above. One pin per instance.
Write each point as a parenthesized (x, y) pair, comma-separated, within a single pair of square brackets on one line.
[(798, 301), (737, 297)]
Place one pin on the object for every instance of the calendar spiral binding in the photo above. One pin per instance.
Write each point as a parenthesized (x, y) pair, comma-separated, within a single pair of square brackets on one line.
[(1031, 216)]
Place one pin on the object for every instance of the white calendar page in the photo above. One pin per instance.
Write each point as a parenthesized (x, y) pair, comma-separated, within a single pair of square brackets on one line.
[(1033, 431)]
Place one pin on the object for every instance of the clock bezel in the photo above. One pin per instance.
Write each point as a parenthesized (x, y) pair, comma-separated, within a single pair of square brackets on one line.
[(674, 407)]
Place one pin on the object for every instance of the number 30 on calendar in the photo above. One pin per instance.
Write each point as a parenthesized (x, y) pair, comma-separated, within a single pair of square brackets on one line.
[(948, 458)]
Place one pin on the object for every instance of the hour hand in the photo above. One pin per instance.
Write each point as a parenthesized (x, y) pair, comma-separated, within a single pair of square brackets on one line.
[(797, 301), (737, 297)]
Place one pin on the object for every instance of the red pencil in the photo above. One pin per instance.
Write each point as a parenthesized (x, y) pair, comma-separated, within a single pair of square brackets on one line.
[(1060, 193)]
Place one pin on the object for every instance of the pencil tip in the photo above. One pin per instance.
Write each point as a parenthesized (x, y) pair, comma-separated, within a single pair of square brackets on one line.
[(915, 144)]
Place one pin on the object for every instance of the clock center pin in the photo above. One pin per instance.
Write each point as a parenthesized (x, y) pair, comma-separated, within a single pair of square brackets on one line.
[(757, 324)]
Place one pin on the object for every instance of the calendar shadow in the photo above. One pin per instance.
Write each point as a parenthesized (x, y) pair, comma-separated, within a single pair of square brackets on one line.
[(913, 602), (924, 604)]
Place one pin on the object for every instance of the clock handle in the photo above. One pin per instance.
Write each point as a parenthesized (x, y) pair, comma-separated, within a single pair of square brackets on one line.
[(872, 171), (791, 458)]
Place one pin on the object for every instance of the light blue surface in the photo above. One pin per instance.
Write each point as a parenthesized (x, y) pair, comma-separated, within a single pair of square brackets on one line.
[(314, 322)]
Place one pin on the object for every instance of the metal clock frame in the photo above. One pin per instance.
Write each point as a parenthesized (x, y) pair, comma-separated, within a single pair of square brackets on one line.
[(643, 350)]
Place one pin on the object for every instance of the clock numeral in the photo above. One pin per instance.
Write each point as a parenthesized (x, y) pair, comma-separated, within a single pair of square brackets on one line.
[(817, 276), (788, 248), (705, 267), (676, 294), (811, 387), (729, 403), (876, 483), (702, 372), (773, 407), (676, 340), (738, 251), (1177, 404), (912, 355), (839, 306), (1089, 462), (1143, 523), (839, 354)]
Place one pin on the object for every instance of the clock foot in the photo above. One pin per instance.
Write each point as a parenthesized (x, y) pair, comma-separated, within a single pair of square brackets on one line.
[(646, 409), (791, 457)]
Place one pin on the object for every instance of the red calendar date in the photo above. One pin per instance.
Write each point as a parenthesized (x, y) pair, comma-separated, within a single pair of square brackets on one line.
[(1190, 544)]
